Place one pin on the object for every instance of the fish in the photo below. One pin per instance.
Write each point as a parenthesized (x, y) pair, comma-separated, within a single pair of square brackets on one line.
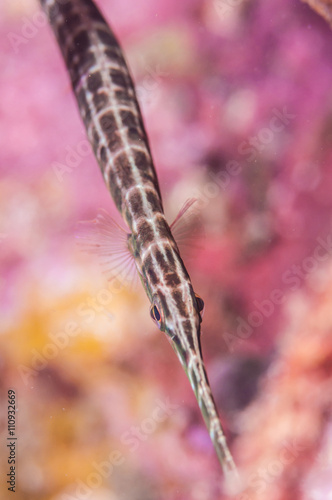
[(110, 111)]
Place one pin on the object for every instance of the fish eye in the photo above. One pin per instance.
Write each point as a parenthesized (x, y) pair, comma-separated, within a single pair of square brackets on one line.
[(200, 304), (155, 315)]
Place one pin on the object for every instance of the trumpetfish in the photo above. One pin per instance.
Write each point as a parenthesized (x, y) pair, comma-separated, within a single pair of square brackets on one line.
[(109, 109)]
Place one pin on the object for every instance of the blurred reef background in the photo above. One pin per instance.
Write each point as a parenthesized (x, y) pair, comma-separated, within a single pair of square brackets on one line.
[(237, 100)]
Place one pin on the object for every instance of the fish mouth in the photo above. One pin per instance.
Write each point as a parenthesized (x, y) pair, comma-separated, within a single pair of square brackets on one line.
[(190, 356), (193, 364)]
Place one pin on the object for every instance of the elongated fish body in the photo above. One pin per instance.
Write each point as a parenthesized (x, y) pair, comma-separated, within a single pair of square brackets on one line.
[(110, 112)]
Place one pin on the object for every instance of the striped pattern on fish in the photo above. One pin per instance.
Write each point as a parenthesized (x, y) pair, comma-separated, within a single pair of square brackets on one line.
[(111, 114)]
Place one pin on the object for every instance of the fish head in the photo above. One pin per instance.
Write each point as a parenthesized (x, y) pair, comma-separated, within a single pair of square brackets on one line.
[(178, 312)]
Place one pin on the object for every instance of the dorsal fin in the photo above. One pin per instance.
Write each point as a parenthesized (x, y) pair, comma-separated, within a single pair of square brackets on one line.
[(186, 227)]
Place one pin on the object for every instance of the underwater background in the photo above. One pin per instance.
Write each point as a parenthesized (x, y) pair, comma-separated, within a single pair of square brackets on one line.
[(236, 97)]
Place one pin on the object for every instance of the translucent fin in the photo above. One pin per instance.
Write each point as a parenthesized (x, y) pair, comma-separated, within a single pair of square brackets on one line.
[(187, 227), (105, 238)]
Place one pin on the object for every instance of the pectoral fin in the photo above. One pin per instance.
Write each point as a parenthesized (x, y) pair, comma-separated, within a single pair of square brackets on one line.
[(105, 238)]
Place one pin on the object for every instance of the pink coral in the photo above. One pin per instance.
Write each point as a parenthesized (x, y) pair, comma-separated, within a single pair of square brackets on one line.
[(236, 100)]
